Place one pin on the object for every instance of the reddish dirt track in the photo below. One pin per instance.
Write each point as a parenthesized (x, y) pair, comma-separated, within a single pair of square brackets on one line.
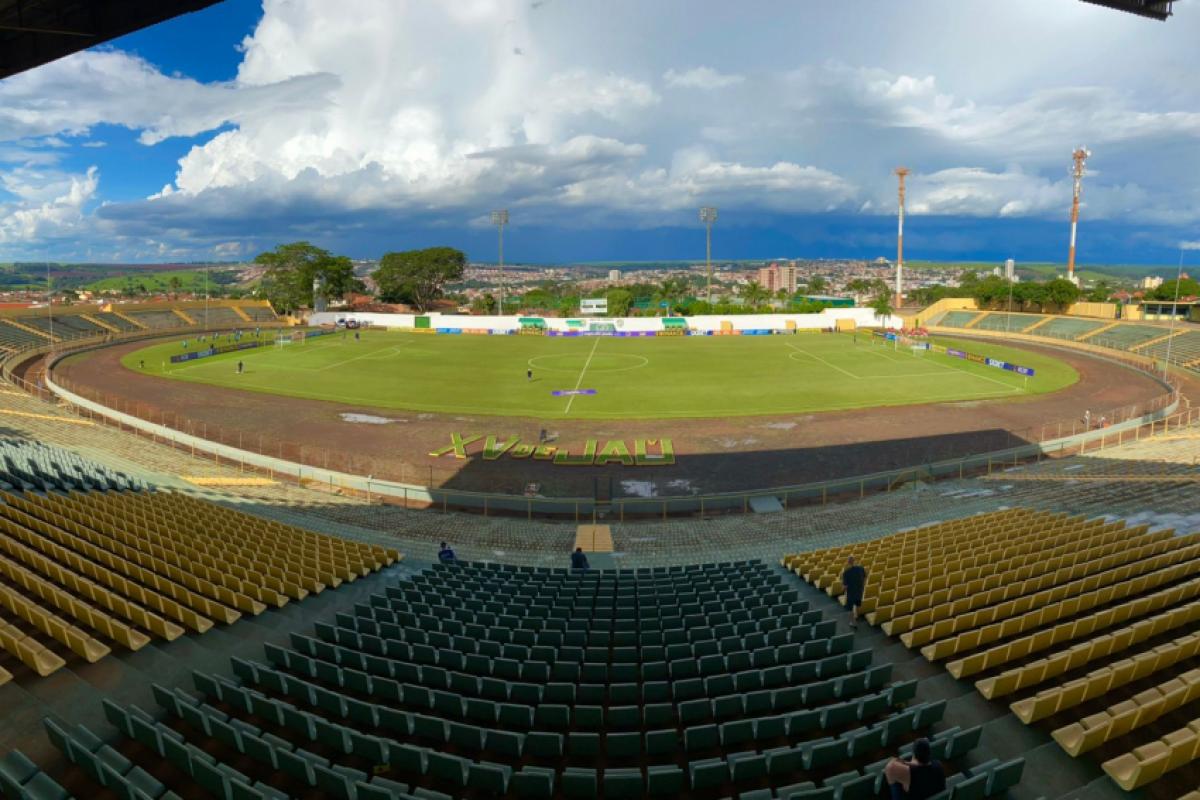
[(712, 455)]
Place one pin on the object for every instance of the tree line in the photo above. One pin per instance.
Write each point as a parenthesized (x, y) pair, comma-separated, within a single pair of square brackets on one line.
[(298, 274)]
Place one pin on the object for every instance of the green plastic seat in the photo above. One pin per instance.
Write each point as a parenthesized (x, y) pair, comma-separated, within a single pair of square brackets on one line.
[(583, 744), (449, 768), (505, 743), (708, 773), (580, 782), (728, 706), (701, 737), (624, 717), (491, 778), (623, 783), (557, 717), (544, 744), (662, 742), (467, 737), (534, 782), (664, 780), (747, 766)]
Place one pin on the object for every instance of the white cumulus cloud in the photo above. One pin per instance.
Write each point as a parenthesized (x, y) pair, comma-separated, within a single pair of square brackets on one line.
[(700, 78)]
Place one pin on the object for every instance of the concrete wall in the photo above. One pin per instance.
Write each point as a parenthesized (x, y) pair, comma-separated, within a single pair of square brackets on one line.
[(863, 318)]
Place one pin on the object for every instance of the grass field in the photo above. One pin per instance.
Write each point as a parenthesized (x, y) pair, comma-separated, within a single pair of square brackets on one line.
[(651, 378)]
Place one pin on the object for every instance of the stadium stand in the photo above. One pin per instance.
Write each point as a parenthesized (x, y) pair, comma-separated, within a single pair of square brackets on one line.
[(259, 313), (89, 557), (1184, 348), (116, 320), (1103, 615), (218, 316), (958, 319), (1067, 327), (476, 680), (1144, 339), (157, 319), (68, 326), (1128, 335), (17, 338), (997, 321)]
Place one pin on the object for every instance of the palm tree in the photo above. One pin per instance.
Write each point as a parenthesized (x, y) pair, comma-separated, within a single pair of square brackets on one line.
[(754, 294), (882, 305)]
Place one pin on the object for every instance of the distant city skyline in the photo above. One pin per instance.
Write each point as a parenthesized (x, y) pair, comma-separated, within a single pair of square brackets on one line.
[(373, 125)]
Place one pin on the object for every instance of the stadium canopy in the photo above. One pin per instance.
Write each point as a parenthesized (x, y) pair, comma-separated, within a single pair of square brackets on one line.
[(33, 32), (1155, 9)]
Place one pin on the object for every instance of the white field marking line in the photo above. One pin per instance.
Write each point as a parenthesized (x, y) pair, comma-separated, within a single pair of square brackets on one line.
[(886, 377), (645, 363), (288, 367), (388, 350), (823, 361), (579, 382)]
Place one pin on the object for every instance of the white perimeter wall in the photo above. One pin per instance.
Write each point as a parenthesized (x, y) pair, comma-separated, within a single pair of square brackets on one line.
[(863, 317)]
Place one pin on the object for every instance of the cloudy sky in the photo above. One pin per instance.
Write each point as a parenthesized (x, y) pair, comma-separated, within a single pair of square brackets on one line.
[(369, 125)]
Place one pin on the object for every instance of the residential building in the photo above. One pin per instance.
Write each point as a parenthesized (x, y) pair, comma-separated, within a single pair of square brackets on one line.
[(777, 276)]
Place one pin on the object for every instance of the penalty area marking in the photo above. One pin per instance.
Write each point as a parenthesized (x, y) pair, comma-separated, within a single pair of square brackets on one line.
[(876, 377)]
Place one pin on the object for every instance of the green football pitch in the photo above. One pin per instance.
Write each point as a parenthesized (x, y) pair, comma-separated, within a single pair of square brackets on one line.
[(648, 378)]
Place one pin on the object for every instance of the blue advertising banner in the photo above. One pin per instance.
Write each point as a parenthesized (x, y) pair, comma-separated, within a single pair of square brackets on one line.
[(991, 362), (566, 392)]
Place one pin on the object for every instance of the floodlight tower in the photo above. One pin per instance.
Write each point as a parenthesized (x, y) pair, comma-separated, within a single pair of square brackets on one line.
[(708, 215), (500, 219), (901, 173), (1079, 157)]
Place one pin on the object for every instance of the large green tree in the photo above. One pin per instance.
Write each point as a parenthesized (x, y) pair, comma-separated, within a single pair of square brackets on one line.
[(619, 302), (1188, 287), (291, 270), (416, 277)]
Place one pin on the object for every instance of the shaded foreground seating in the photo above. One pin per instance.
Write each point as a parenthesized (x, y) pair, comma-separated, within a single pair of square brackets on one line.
[(486, 681), (1023, 599)]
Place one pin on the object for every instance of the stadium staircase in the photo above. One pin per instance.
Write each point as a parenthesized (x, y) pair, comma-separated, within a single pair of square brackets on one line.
[(479, 680), (183, 315), (1089, 627)]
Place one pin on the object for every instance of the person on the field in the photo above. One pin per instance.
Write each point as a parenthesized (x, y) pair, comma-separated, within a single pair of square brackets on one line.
[(356, 336), (579, 560), (854, 578), (529, 374), (446, 554), (241, 368), (916, 778)]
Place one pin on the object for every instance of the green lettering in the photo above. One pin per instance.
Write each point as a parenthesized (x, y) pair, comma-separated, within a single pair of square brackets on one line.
[(491, 451), (665, 457), (522, 451), (458, 444), (615, 451), (545, 452), (584, 459)]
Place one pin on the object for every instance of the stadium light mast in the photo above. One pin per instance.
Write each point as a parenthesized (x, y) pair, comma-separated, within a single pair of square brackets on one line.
[(500, 219), (708, 215), (901, 173), (1079, 157)]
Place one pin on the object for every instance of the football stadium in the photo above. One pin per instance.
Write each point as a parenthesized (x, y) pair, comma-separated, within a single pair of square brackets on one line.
[(943, 550)]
